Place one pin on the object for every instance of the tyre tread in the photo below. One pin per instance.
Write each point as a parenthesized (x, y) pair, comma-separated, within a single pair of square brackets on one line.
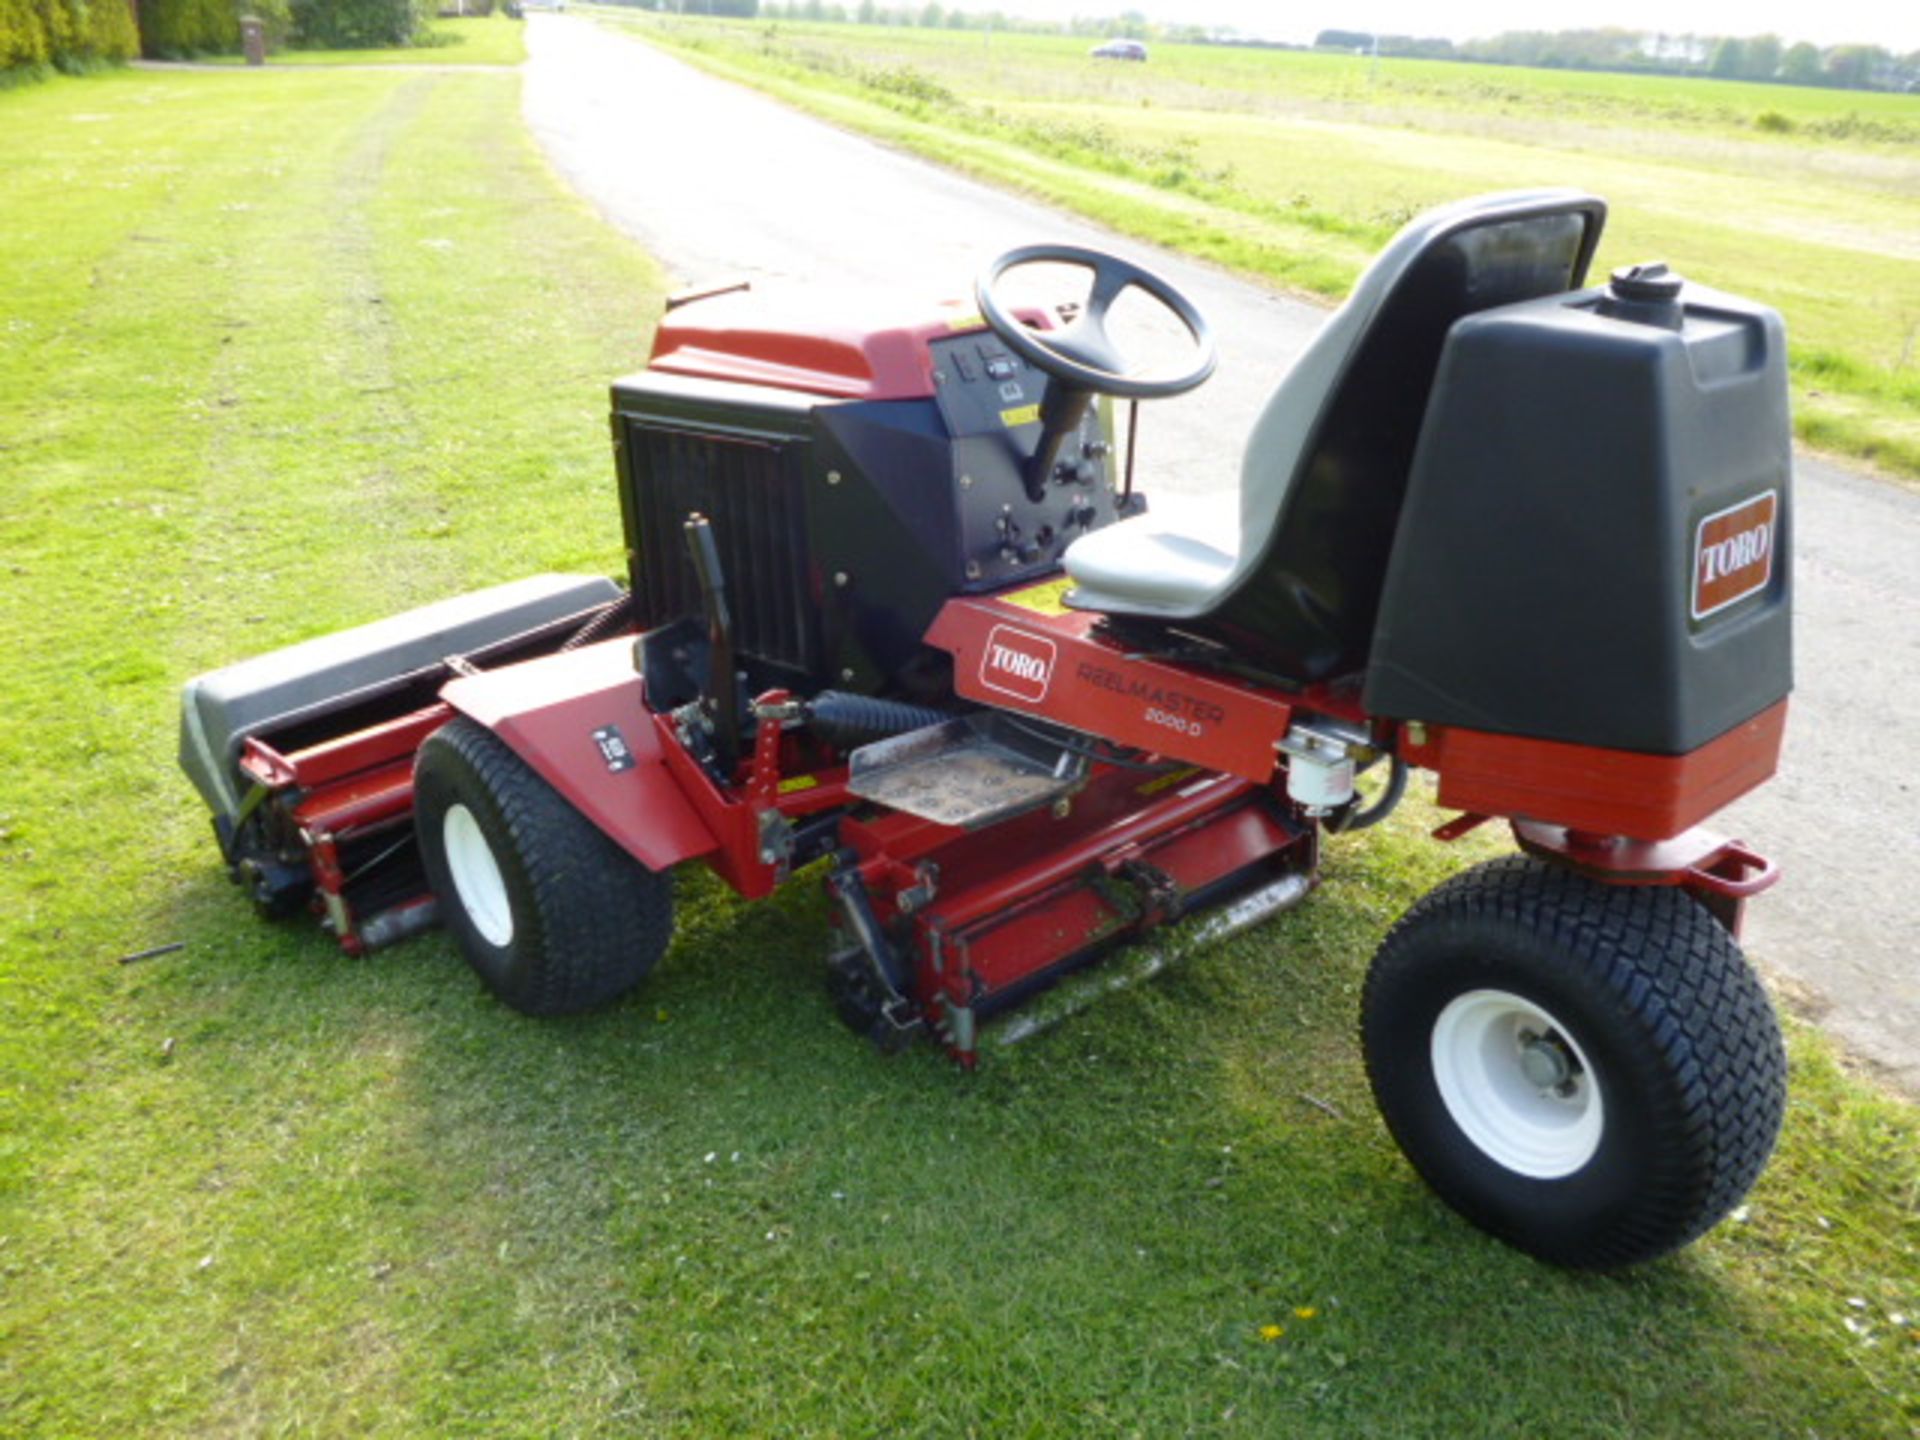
[(1691, 996), (601, 919)]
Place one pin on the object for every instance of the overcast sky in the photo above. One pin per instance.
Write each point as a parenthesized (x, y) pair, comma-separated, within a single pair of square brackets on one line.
[(1893, 23)]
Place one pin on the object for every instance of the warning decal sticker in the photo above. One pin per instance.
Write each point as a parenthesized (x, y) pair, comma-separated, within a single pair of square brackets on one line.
[(1047, 599)]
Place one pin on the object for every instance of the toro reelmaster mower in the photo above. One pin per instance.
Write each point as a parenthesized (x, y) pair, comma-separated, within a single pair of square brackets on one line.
[(896, 607)]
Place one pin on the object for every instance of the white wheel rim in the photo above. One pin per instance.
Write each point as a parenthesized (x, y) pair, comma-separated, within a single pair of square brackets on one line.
[(1490, 1048), (476, 876)]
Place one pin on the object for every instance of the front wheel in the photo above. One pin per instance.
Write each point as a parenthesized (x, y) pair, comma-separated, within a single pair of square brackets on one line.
[(1593, 1073), (552, 915)]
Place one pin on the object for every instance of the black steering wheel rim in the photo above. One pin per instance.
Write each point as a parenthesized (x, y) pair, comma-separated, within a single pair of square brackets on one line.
[(1081, 354)]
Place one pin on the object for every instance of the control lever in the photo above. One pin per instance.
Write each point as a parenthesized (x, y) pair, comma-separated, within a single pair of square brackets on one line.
[(722, 700), (1014, 548), (1062, 410)]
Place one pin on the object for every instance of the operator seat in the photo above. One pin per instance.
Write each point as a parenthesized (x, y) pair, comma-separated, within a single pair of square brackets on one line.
[(1295, 592)]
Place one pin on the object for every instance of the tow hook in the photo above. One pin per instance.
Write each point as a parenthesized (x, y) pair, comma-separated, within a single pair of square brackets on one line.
[(1547, 1062)]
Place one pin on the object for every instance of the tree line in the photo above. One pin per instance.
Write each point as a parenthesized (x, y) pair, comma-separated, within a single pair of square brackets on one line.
[(929, 15), (1757, 57)]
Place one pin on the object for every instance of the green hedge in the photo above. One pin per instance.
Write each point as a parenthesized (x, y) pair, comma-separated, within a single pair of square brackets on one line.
[(71, 34), (357, 24), (170, 29), (74, 34)]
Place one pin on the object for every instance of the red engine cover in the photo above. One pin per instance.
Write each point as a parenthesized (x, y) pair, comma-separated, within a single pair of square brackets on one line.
[(853, 346)]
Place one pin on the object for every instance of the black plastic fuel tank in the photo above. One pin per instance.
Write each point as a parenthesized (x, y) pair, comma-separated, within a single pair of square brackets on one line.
[(1595, 541)]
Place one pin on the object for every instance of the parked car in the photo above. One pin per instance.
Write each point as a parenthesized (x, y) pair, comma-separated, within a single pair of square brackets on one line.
[(1120, 50)]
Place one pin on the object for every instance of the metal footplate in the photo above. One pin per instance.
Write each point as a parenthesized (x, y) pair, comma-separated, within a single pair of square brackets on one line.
[(968, 772)]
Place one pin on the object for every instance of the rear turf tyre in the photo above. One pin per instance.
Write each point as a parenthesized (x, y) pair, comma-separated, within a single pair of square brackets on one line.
[(1590, 1072), (553, 916)]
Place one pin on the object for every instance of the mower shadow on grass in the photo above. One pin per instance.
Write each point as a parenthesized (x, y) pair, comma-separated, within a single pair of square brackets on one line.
[(705, 1194)]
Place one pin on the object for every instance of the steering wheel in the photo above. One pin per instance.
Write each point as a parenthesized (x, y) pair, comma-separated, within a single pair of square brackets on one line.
[(1082, 354)]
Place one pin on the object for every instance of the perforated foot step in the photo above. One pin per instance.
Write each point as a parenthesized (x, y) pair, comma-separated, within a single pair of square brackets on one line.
[(966, 773)]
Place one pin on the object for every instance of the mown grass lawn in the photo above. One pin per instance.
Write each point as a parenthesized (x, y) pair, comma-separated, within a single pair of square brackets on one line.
[(284, 352), (1296, 168)]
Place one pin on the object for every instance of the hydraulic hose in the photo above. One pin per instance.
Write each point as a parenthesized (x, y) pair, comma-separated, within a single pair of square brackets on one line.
[(840, 718), (1389, 798), (603, 620)]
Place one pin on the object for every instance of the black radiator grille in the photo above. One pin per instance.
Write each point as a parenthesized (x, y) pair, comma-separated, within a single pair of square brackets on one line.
[(752, 492)]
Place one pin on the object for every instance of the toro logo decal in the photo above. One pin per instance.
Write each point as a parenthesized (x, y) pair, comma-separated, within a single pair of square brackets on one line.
[(1017, 664), (1733, 553)]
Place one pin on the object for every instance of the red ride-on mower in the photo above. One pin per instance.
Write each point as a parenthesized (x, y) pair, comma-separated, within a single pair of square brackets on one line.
[(1529, 536)]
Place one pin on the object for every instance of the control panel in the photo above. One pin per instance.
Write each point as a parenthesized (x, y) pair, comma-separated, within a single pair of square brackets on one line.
[(1012, 522)]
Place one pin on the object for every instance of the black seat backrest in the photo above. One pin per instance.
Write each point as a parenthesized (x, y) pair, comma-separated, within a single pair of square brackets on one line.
[(1322, 511)]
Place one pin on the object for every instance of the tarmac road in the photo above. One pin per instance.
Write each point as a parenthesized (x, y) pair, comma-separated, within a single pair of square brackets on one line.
[(715, 180)]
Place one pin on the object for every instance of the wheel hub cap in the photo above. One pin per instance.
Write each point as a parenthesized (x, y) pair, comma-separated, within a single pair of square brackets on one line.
[(1546, 1064)]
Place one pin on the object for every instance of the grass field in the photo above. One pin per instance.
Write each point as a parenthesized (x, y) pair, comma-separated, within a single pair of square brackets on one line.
[(1296, 167), (471, 40), (288, 351)]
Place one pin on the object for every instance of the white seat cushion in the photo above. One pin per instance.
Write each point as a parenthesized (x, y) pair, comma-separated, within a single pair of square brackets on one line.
[(1169, 562)]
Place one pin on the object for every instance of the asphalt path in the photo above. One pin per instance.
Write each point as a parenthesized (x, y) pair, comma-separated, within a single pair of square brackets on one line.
[(715, 180)]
